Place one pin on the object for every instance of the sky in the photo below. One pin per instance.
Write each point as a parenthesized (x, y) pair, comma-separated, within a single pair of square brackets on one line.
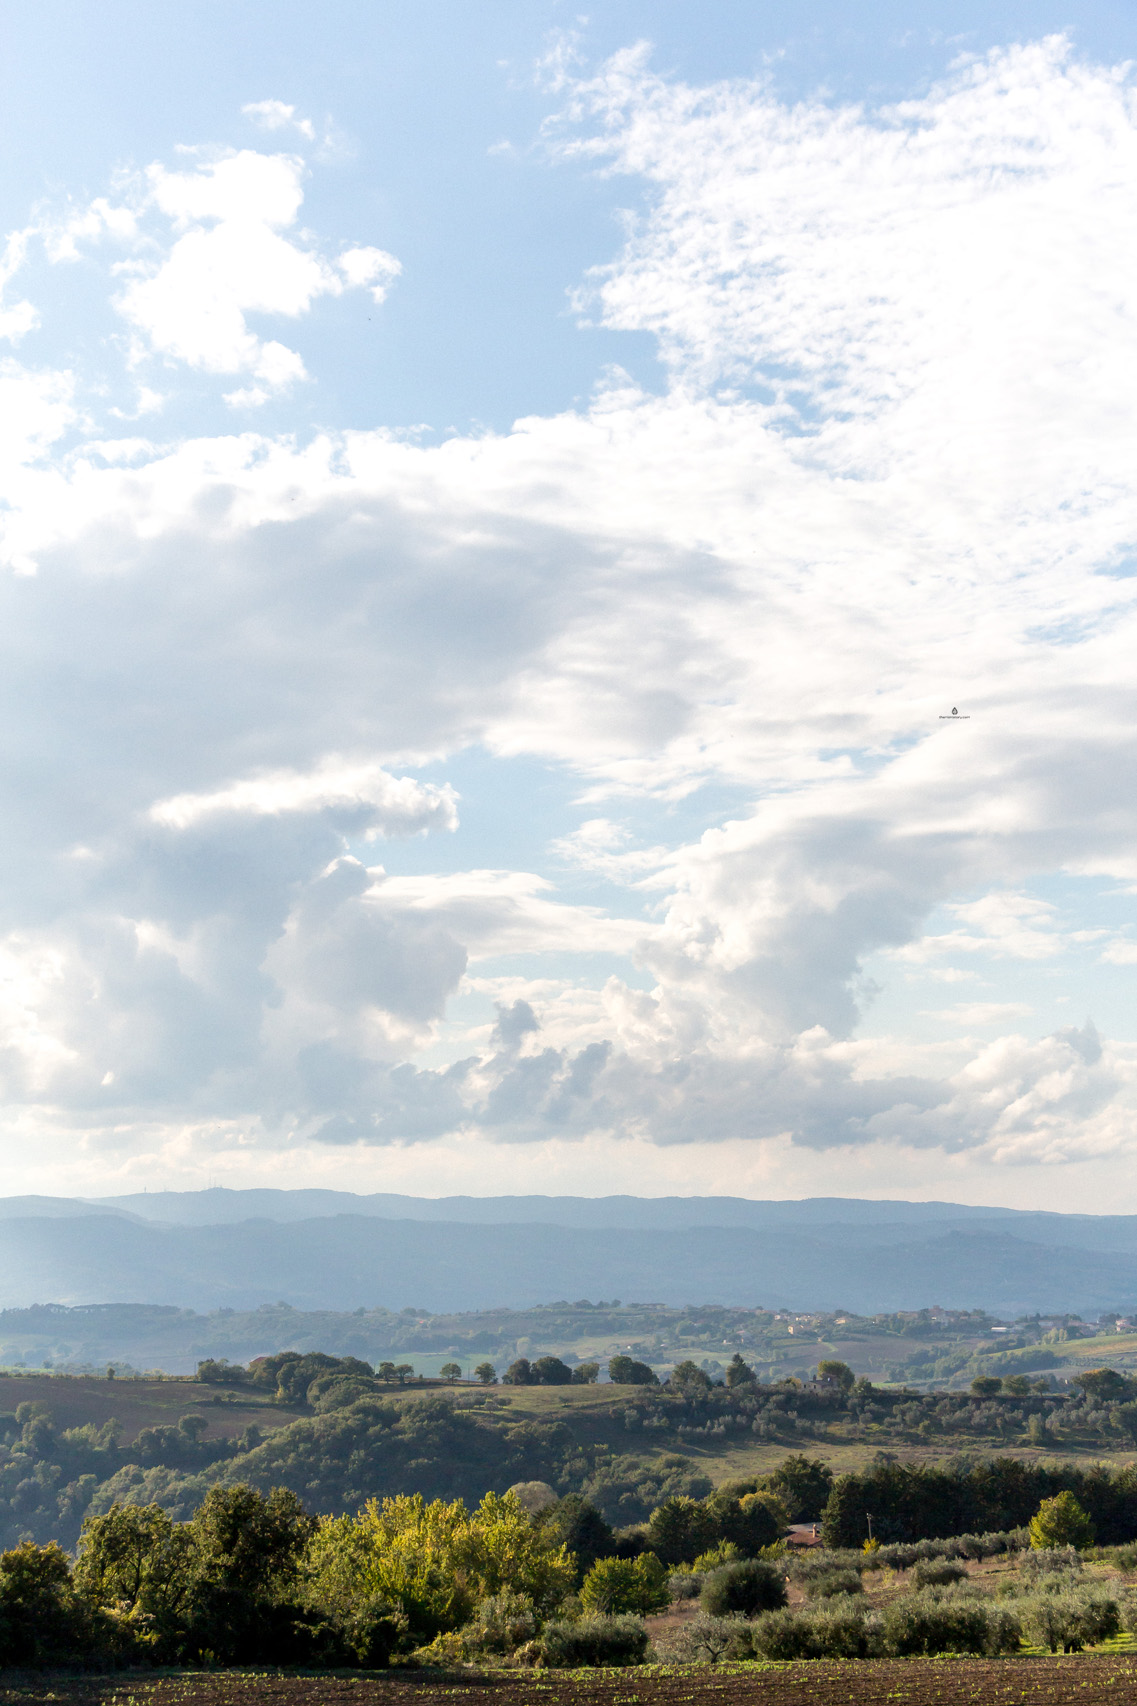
[(568, 598)]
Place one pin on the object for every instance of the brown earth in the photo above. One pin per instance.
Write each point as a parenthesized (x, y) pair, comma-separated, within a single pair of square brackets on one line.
[(1085, 1679)]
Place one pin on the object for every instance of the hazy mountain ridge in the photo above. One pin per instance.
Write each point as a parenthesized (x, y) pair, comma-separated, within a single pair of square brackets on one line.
[(268, 1246)]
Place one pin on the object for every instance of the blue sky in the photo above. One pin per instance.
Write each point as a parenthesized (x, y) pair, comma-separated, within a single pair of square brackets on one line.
[(499, 505)]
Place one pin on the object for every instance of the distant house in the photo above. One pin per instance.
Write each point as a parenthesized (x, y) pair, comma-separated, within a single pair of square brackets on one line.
[(804, 1534)]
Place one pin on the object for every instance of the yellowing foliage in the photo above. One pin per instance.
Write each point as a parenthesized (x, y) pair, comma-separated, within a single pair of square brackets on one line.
[(437, 1561)]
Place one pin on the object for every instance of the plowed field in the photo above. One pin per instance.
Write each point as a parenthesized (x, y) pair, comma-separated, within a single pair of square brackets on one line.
[(1027, 1681)]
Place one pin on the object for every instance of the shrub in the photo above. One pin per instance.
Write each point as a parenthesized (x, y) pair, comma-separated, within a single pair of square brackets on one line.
[(1051, 1564), (840, 1632), (501, 1624), (615, 1585), (595, 1641), (925, 1623), (748, 1587), (937, 1573), (1067, 1622), (1061, 1521), (684, 1585), (832, 1583), (706, 1640)]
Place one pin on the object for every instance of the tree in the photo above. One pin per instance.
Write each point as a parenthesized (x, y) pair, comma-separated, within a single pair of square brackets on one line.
[(803, 1484), (550, 1371), (577, 1525), (1104, 1383), (519, 1373), (1061, 1521), (986, 1386), (688, 1379), (137, 1557), (486, 1373), (625, 1371), (1018, 1385), (679, 1529), (739, 1373), (614, 1586), (585, 1373), (835, 1373), (450, 1371)]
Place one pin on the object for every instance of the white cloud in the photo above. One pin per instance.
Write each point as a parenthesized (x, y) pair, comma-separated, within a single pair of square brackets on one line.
[(211, 245), (376, 802), (891, 474), (375, 267), (278, 115)]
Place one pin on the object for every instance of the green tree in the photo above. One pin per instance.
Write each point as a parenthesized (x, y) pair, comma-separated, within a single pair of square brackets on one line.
[(1018, 1385), (614, 1586), (803, 1484), (689, 1380), (625, 1371), (137, 1557), (585, 1373), (42, 1620), (986, 1386), (550, 1371), (574, 1523), (519, 1373), (739, 1373), (486, 1373), (679, 1529), (1061, 1521), (835, 1373), (450, 1371), (1104, 1383)]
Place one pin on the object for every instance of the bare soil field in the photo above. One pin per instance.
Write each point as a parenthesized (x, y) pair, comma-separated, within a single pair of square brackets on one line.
[(1085, 1679)]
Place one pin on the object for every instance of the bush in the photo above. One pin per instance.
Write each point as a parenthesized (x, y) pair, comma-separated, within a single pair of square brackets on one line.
[(925, 1623), (937, 1573), (684, 1585), (1050, 1565), (706, 1640), (594, 1641), (833, 1583), (615, 1585), (747, 1588), (842, 1632), (1067, 1622), (501, 1624)]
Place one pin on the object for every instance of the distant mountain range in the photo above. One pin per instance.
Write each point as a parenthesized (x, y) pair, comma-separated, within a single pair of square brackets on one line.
[(335, 1250)]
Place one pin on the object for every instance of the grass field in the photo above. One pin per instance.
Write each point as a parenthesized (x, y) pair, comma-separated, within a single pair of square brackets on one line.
[(1087, 1679), (75, 1399)]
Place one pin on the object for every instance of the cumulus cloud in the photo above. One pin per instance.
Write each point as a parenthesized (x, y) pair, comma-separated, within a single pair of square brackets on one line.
[(892, 473), (210, 245)]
